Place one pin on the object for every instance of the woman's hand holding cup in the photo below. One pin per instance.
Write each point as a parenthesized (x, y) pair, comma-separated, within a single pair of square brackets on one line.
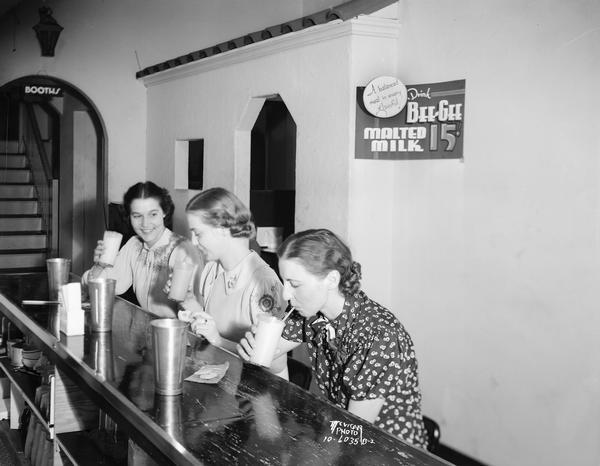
[(201, 322), (97, 268), (189, 308), (98, 251), (245, 347)]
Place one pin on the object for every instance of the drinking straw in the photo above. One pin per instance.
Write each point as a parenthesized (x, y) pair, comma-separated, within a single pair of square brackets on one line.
[(288, 314)]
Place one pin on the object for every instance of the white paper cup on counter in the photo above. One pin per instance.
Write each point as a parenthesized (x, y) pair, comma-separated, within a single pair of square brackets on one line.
[(180, 280), (266, 339), (112, 242), (169, 345), (58, 275), (30, 356)]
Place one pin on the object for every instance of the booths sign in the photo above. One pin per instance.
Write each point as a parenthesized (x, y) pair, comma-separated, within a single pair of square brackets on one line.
[(430, 126), (52, 91)]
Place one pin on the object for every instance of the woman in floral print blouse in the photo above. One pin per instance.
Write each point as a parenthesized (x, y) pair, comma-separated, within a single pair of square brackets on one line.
[(362, 357)]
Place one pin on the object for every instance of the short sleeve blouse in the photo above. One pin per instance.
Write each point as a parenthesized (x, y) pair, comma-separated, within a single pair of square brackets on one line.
[(234, 298), (365, 353), (147, 269)]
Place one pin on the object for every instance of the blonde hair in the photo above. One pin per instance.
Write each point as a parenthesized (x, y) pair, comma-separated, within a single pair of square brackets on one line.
[(221, 208)]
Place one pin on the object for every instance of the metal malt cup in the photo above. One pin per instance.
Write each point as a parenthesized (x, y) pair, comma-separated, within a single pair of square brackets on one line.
[(58, 275), (169, 342), (168, 415), (102, 300), (101, 355)]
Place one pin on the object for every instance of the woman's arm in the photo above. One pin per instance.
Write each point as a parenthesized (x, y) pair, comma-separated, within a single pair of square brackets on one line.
[(186, 252), (204, 324), (366, 409), (120, 271)]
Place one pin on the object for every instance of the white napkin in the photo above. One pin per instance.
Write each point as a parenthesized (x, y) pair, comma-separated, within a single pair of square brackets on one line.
[(71, 315)]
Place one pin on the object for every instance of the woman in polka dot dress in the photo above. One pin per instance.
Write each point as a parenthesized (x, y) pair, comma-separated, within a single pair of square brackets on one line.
[(362, 357)]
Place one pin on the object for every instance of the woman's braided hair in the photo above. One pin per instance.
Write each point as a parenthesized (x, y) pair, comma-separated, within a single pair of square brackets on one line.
[(321, 251), (222, 209)]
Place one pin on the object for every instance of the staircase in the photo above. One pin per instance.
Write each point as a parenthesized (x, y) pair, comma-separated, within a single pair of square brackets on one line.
[(23, 241)]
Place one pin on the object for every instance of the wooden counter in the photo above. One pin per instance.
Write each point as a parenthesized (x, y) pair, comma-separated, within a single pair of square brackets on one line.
[(249, 417)]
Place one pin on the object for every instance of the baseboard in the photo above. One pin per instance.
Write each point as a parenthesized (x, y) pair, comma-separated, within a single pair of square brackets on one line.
[(455, 457)]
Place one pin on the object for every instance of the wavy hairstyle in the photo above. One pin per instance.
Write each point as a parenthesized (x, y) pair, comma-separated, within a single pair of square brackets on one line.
[(222, 209), (148, 189), (321, 251)]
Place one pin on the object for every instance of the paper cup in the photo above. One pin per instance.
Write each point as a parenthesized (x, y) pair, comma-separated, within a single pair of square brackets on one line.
[(112, 242), (266, 339)]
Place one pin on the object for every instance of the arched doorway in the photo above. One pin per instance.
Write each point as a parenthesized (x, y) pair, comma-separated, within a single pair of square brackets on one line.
[(273, 175), (52, 175)]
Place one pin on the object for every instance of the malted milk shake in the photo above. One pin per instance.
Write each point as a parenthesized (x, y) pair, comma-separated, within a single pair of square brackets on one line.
[(112, 241), (266, 339)]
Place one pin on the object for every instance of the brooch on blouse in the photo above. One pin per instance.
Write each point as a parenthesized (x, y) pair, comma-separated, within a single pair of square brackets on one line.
[(231, 281), (266, 303)]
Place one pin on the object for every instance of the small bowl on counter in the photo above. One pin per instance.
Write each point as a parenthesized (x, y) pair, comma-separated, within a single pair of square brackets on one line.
[(30, 356)]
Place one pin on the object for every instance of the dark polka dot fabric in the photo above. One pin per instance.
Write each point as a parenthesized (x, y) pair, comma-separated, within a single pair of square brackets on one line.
[(365, 353)]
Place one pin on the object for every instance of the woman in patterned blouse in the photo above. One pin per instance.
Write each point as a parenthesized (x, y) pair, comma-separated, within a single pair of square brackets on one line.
[(147, 259), (362, 357)]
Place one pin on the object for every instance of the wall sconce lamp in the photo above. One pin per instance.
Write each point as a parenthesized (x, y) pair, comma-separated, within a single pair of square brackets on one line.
[(47, 31)]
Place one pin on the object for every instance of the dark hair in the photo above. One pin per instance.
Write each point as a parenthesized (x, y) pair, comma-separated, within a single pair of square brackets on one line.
[(148, 189), (321, 251), (222, 209)]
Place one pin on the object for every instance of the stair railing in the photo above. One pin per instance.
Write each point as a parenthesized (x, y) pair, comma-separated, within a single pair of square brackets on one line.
[(41, 173)]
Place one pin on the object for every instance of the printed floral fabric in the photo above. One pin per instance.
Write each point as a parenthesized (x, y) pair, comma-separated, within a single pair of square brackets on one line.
[(147, 269), (365, 353)]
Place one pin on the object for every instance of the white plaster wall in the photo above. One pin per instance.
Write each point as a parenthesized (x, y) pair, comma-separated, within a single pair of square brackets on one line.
[(211, 105), (490, 263), (104, 44), (496, 260), (371, 233)]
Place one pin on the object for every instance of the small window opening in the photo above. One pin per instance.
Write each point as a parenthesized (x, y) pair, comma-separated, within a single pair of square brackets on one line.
[(189, 164), (195, 164)]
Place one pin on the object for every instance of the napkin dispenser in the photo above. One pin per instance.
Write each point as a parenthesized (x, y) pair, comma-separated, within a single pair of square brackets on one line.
[(71, 315)]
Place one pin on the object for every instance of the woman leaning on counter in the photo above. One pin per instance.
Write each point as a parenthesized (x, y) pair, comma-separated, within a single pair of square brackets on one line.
[(236, 285), (147, 259), (362, 357)]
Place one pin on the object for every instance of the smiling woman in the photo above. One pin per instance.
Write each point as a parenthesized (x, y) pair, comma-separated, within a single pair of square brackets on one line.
[(236, 285), (147, 259)]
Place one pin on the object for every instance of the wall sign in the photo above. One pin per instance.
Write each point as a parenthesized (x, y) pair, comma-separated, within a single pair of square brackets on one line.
[(34, 89), (430, 126), (384, 97)]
